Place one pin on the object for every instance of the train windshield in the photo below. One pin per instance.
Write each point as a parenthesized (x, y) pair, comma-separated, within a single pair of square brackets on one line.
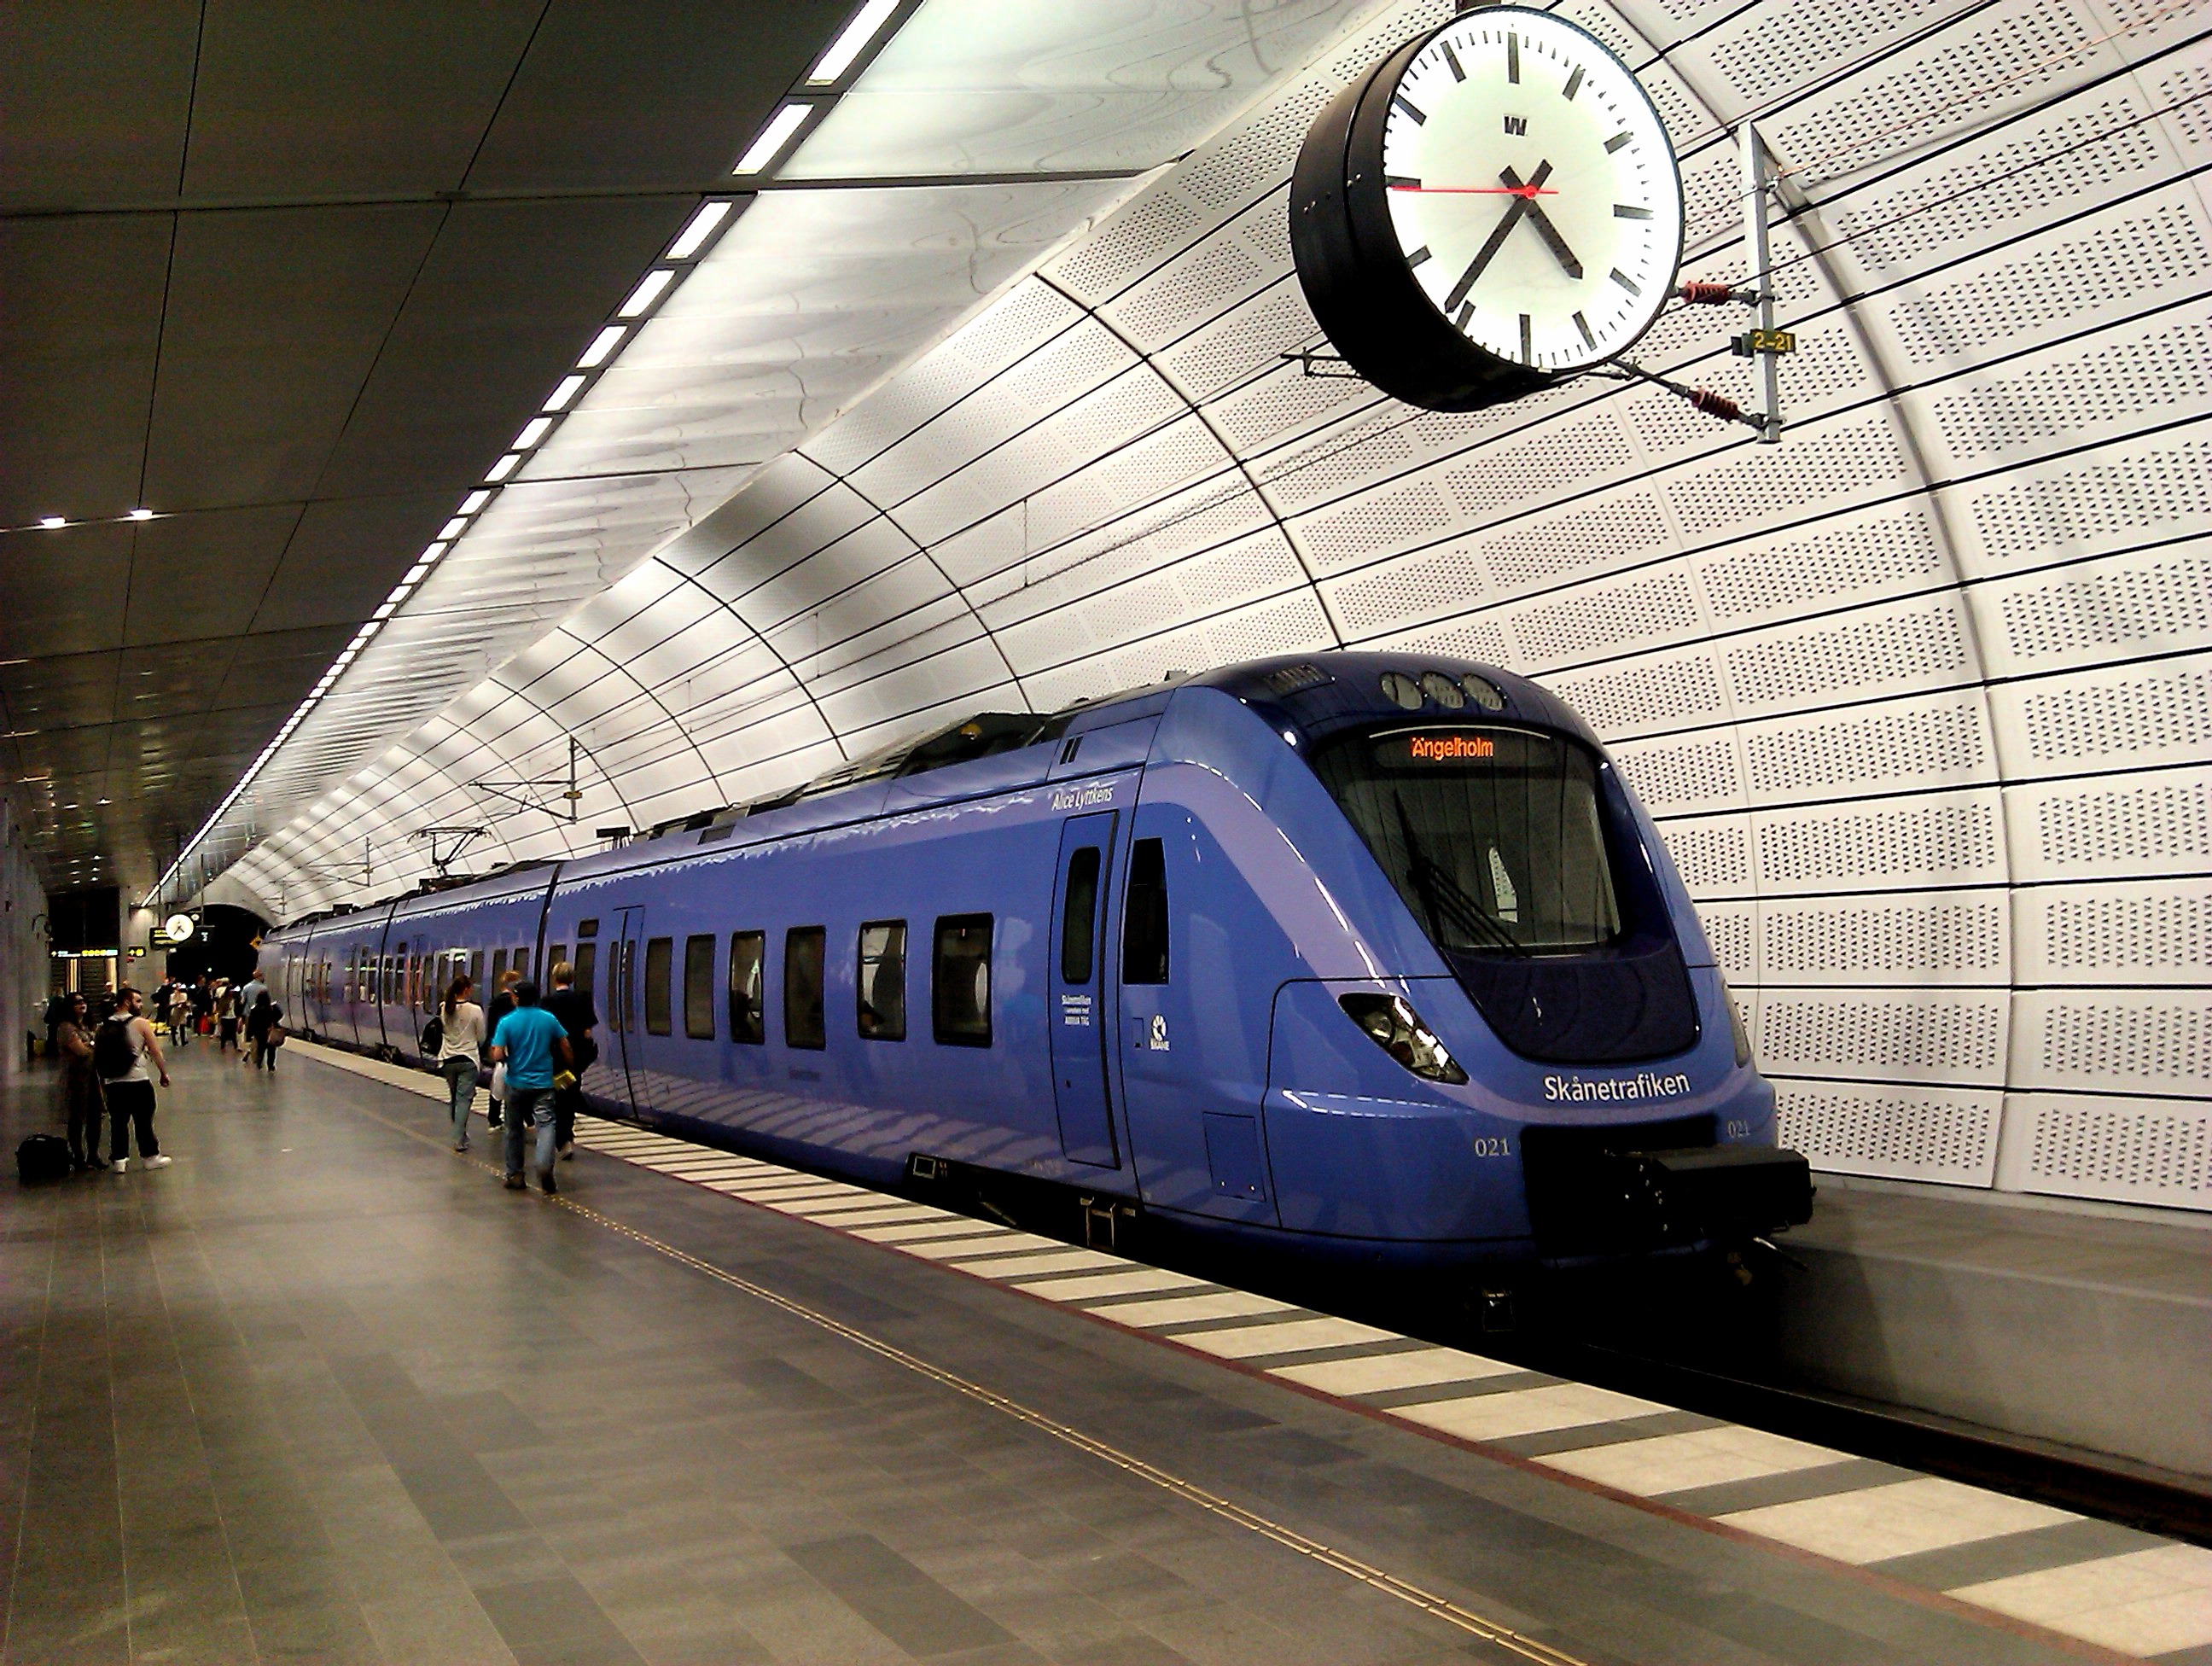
[(1490, 835)]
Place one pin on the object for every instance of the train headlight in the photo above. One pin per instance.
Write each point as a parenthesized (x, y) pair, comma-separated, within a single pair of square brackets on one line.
[(1737, 1033), (1397, 1029)]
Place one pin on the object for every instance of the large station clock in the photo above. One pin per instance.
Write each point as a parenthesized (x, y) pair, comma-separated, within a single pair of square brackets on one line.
[(1493, 205)]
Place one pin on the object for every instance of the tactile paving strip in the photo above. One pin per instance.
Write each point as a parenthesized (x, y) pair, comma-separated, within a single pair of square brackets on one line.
[(2132, 1592)]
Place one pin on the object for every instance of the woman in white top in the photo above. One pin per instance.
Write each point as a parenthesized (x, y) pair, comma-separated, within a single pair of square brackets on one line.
[(463, 1022)]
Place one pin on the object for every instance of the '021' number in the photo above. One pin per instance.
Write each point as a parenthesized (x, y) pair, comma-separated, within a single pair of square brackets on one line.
[(1735, 1131), (1492, 1146)]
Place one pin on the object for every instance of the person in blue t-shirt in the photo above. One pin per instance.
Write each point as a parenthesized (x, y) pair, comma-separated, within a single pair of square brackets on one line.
[(531, 1044)]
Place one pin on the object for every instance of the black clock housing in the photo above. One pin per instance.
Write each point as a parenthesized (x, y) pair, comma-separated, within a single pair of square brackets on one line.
[(1363, 294)]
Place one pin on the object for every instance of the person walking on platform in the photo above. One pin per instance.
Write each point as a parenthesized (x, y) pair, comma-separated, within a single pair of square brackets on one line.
[(80, 1083), (502, 1003), (250, 996), (531, 1044), (264, 1033), (180, 1015), (225, 1016), (579, 1017), (122, 1049), (460, 1047)]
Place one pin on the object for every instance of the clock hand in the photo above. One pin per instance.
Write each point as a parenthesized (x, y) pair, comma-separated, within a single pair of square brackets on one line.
[(1506, 222), (1521, 204), (1542, 221)]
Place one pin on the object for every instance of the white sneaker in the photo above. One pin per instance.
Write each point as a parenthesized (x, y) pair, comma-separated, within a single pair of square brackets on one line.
[(162, 1162), (120, 1165)]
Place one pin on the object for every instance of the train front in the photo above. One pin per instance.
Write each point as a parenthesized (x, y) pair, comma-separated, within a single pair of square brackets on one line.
[(1534, 1055)]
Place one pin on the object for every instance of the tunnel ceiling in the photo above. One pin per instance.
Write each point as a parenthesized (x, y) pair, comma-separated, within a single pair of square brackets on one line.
[(1919, 696), (290, 275)]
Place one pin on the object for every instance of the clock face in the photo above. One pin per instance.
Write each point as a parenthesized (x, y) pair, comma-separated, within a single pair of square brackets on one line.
[(1532, 189)]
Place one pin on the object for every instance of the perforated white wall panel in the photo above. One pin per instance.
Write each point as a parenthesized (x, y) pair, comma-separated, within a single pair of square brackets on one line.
[(1923, 696)]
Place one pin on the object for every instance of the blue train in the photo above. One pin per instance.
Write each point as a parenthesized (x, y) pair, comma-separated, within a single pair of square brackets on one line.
[(1354, 953)]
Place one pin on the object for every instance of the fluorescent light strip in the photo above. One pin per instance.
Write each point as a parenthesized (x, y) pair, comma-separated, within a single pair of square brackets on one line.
[(647, 293), (851, 41), (779, 132), (702, 228), (603, 345)]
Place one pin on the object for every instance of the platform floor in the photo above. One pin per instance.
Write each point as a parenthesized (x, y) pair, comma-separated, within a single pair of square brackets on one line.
[(321, 1390)]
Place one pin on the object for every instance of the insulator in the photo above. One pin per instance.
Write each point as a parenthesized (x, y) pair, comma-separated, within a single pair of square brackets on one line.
[(1708, 295), (1715, 404)]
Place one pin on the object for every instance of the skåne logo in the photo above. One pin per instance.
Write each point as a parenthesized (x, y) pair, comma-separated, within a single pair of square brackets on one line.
[(1642, 1085)]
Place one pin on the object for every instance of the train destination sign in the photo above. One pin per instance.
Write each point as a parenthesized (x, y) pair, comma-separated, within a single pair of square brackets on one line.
[(1448, 748)]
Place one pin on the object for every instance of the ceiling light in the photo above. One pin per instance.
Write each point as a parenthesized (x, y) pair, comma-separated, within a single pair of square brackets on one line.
[(506, 466), (454, 528), (474, 501), (532, 431), (781, 126), (142, 514), (52, 522), (386, 612), (570, 386), (431, 552), (688, 241), (415, 574), (646, 292), (603, 344), (851, 41)]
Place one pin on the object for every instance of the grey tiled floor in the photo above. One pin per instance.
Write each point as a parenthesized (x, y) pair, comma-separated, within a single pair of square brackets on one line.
[(321, 1391)]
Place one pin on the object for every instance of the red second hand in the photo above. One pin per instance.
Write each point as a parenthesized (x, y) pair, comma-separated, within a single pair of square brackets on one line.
[(1479, 191)]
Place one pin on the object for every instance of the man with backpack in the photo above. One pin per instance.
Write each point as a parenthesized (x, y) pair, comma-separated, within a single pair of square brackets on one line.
[(573, 1007), (121, 1049)]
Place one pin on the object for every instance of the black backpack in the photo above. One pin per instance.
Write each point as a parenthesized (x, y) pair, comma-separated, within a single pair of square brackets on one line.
[(434, 1037), (113, 1054), (42, 1157)]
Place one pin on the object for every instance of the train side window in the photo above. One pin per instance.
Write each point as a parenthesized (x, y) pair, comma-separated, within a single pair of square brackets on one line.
[(498, 968), (699, 987), (960, 981), (554, 956), (1145, 916), (476, 971), (748, 1023), (586, 930), (522, 961), (1079, 922), (587, 966), (881, 989), (659, 952), (803, 953)]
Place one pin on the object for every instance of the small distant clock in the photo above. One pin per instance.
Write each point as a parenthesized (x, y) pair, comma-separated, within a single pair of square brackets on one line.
[(1493, 206)]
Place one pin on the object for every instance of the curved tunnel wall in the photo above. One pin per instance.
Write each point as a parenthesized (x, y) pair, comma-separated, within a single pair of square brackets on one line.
[(1922, 696)]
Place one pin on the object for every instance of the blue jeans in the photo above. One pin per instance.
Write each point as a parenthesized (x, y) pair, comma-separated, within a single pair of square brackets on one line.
[(528, 1106), (460, 1074)]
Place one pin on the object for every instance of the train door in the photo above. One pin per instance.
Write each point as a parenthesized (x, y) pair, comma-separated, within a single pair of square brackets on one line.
[(1076, 1000), (624, 1015)]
